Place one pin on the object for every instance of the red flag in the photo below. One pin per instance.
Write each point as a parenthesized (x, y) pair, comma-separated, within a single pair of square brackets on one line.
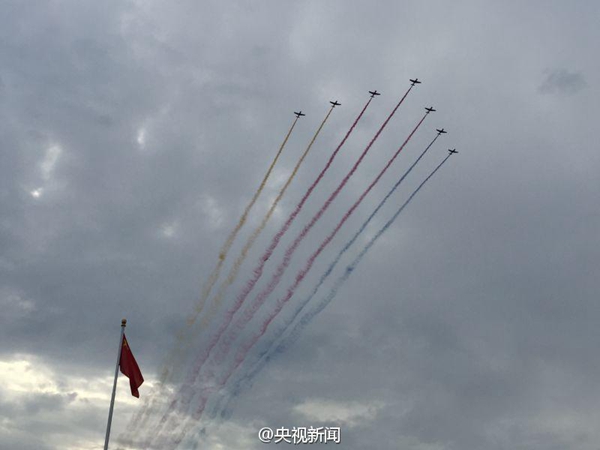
[(130, 369)]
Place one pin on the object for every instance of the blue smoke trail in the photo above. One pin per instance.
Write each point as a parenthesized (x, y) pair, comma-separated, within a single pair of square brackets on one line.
[(266, 356), (332, 266)]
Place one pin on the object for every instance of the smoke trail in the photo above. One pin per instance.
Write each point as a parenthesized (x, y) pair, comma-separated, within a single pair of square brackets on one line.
[(239, 324), (281, 268), (293, 336), (140, 419), (258, 270)]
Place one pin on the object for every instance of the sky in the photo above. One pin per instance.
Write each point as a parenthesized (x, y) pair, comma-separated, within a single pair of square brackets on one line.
[(134, 134)]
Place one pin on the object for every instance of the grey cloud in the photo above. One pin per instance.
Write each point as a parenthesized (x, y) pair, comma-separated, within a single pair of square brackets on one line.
[(35, 403), (472, 322), (562, 81)]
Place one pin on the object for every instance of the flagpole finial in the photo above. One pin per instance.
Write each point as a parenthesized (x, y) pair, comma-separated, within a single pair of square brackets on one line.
[(123, 323)]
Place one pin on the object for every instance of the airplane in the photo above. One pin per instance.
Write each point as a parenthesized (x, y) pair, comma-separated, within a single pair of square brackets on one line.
[(430, 109), (452, 151), (298, 114), (415, 81), (442, 131), (374, 93), (335, 103)]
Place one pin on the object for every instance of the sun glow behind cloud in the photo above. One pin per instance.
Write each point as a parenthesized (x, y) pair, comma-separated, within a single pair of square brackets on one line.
[(72, 404), (36, 193)]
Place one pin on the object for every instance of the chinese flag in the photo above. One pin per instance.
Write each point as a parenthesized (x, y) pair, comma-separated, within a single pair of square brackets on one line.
[(130, 369)]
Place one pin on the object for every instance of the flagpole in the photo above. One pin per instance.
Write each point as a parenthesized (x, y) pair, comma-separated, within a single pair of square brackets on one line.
[(114, 391)]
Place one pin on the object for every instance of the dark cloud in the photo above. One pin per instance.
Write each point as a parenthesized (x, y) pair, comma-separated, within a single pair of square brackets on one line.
[(48, 402), (562, 81), (134, 134)]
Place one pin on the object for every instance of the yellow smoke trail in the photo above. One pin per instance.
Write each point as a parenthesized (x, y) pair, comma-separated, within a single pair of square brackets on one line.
[(214, 276), (250, 242), (176, 358)]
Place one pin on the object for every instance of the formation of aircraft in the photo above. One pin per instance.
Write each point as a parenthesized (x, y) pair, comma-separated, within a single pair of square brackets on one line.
[(374, 93)]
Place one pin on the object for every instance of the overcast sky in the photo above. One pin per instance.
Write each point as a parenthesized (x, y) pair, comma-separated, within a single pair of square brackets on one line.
[(134, 133)]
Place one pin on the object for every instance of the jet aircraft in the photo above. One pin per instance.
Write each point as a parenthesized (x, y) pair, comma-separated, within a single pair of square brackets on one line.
[(430, 109), (415, 81), (374, 93), (451, 151), (335, 103), (298, 114), (442, 131)]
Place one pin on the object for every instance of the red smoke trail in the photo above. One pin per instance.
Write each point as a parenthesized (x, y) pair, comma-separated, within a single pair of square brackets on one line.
[(241, 322), (258, 272), (275, 241), (205, 394), (261, 297), (259, 269)]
